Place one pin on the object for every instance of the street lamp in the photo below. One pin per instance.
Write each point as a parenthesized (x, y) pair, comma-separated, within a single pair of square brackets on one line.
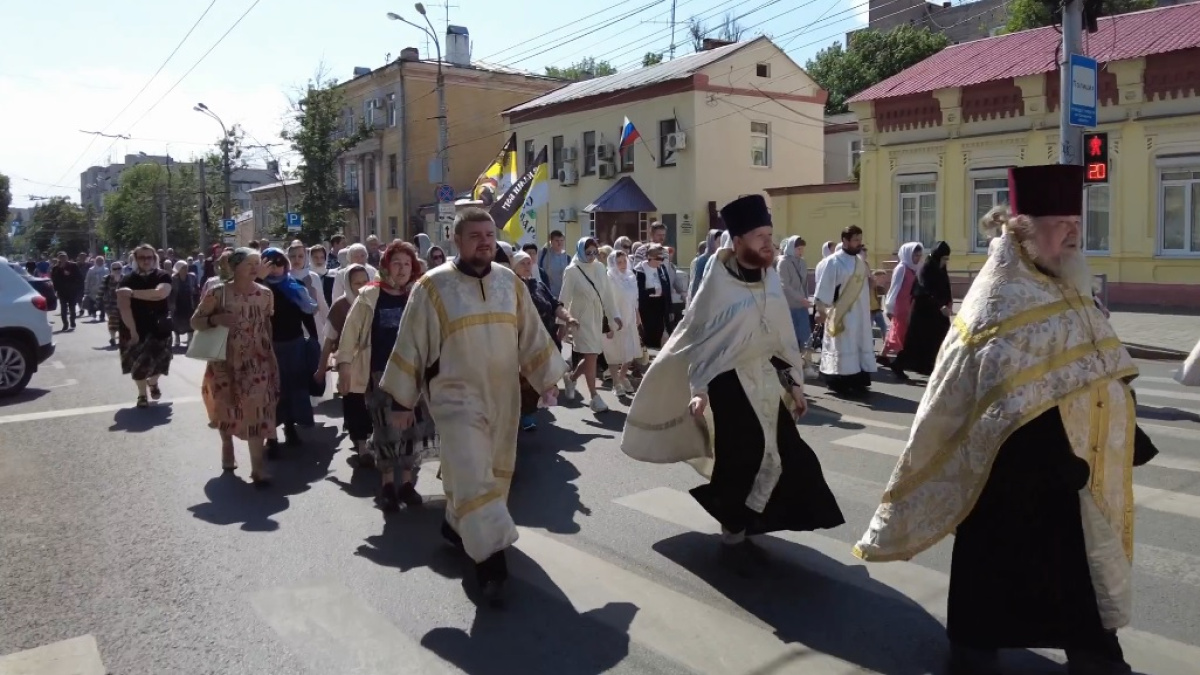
[(226, 170), (443, 141)]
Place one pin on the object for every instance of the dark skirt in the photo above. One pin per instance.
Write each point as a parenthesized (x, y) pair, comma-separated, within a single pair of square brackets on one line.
[(296, 368), (356, 417), (801, 500), (529, 398), (403, 449), (1019, 576), (150, 357), (654, 324), (927, 328)]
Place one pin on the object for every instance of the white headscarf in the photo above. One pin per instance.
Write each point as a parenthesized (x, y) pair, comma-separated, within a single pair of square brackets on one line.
[(423, 245), (828, 249), (789, 246), (907, 251), (626, 280), (726, 241), (518, 257)]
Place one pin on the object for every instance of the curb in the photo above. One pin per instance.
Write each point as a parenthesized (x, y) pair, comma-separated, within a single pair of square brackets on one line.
[(1149, 353)]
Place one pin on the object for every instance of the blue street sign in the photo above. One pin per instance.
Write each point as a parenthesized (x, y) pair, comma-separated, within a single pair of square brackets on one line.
[(1084, 90), (229, 225), (293, 222), (445, 194)]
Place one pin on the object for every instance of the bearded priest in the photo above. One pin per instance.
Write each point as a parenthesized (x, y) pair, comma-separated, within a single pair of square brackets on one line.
[(843, 294), (1024, 446), (725, 391)]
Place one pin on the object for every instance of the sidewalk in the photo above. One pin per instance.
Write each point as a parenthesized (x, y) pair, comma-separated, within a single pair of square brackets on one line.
[(1155, 335)]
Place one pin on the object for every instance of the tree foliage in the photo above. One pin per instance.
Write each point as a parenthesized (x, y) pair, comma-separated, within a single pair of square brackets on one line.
[(651, 59), (872, 57), (729, 30), (1027, 14), (5, 202), (317, 132), (58, 225), (583, 69), (133, 212)]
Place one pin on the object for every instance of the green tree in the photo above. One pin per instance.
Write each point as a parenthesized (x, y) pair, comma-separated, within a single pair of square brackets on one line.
[(872, 57), (583, 69), (133, 213), (651, 59), (317, 133), (728, 30), (58, 225), (1026, 14)]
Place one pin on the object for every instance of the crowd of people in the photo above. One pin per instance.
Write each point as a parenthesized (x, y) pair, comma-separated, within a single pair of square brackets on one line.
[(449, 359)]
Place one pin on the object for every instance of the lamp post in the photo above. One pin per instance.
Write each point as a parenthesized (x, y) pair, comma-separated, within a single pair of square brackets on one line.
[(226, 170), (443, 141)]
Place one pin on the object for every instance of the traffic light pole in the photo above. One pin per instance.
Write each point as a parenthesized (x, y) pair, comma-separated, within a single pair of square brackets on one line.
[(203, 212), (1070, 147)]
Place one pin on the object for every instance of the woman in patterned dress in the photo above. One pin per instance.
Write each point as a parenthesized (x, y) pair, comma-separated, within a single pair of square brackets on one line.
[(244, 388), (108, 296)]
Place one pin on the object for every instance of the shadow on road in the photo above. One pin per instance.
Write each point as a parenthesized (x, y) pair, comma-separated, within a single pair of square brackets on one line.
[(813, 600), (538, 631), (232, 500), (819, 416), (136, 420), (28, 395), (411, 539), (1166, 414)]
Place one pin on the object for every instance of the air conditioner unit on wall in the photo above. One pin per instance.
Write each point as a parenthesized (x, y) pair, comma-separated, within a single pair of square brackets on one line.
[(570, 153), (568, 176), (568, 215), (604, 152), (607, 171), (676, 141)]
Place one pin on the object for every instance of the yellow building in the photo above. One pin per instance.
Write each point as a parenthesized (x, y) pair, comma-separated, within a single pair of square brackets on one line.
[(938, 138), (714, 125), (389, 177)]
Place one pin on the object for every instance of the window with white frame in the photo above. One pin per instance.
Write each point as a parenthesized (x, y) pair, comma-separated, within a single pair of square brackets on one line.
[(855, 154), (391, 110), (643, 226), (760, 144), (918, 210), (1096, 219), (1179, 209), (369, 112), (989, 190), (591, 225)]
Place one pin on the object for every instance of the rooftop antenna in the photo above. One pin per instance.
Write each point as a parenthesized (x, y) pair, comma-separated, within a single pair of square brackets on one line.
[(672, 30)]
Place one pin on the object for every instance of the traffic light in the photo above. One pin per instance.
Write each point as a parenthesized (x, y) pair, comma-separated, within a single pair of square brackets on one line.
[(1095, 158)]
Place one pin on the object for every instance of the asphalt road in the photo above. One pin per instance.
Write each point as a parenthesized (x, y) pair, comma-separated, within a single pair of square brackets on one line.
[(123, 550)]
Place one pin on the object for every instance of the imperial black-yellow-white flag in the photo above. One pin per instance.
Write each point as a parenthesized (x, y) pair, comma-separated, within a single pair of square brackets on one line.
[(515, 211), (499, 175)]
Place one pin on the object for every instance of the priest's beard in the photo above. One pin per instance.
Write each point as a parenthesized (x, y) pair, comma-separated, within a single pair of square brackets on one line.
[(1071, 268), (753, 259)]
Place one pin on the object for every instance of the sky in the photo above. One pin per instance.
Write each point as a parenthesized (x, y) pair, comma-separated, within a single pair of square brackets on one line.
[(72, 66)]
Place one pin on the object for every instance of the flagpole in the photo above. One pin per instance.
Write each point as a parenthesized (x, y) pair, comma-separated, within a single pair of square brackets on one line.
[(648, 149)]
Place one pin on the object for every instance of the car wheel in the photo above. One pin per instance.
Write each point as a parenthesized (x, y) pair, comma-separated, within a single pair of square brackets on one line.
[(16, 366)]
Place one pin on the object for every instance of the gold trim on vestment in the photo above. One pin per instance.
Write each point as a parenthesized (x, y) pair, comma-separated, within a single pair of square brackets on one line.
[(475, 503), (473, 320), (975, 338), (1004, 388), (403, 364), (439, 307), (1130, 445), (850, 294)]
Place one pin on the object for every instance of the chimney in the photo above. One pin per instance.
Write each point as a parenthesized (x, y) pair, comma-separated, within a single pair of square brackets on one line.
[(458, 46), (945, 5), (713, 43), (410, 54), (361, 70)]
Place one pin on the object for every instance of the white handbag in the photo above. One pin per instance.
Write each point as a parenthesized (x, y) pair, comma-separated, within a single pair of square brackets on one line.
[(209, 344)]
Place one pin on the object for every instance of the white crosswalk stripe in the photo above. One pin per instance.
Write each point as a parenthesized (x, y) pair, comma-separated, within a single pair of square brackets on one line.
[(77, 656)]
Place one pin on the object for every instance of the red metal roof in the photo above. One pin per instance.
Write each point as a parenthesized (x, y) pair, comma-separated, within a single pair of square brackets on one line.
[(1030, 52)]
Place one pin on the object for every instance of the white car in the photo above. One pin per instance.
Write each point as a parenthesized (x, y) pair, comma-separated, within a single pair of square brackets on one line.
[(26, 339)]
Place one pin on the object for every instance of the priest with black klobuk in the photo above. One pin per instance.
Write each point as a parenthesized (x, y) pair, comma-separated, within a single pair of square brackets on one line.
[(1023, 447), (725, 392)]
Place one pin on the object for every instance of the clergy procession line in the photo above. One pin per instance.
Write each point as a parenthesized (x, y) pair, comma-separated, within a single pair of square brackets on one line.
[(1023, 446)]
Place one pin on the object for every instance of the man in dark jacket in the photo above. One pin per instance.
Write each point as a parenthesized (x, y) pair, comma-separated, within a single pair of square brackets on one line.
[(68, 284)]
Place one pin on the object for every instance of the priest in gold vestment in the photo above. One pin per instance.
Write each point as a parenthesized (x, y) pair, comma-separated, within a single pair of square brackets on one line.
[(465, 325), (1023, 447)]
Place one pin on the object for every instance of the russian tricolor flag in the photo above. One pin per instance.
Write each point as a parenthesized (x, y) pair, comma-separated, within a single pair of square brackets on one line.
[(629, 135)]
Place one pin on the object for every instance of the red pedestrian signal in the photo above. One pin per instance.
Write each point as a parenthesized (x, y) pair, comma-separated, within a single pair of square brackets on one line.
[(1095, 161)]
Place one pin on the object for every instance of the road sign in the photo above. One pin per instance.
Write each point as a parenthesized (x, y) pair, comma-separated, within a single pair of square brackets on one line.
[(1084, 90), (1095, 158), (445, 194), (229, 225), (446, 211), (293, 222)]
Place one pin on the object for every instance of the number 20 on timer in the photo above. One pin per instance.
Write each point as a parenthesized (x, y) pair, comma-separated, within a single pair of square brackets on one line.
[(1095, 148)]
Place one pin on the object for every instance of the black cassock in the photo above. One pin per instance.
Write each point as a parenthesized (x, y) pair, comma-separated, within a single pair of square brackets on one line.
[(801, 500), (1019, 576), (927, 326)]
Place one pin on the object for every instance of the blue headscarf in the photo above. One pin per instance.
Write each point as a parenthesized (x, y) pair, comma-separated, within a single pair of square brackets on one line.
[(581, 246), (292, 290)]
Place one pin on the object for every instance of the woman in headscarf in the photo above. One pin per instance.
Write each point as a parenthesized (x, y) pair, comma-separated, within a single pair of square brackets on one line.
[(301, 270), (551, 312), (354, 406), (898, 302), (532, 249), (436, 256), (624, 346), (292, 316), (108, 297), (184, 293), (702, 260), (929, 321), (242, 391), (318, 259), (588, 297), (356, 254), (504, 253), (364, 348), (424, 247), (793, 276)]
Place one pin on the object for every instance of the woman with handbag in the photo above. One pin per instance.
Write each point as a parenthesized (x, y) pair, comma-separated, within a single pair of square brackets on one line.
[(243, 386), (586, 294)]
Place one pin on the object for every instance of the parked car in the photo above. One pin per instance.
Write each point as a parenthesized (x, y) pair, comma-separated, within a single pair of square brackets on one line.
[(26, 340), (40, 284)]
